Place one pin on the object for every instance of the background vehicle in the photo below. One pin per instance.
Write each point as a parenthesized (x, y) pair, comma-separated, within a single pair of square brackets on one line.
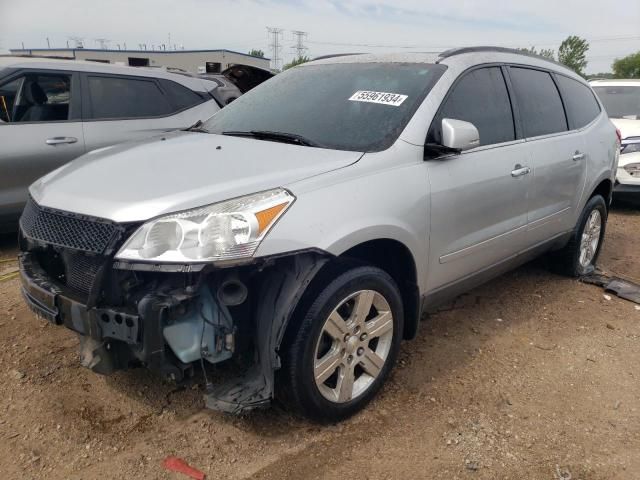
[(621, 99), (317, 221), (52, 111)]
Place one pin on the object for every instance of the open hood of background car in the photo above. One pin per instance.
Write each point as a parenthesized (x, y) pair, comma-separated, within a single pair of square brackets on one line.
[(246, 77), (183, 170)]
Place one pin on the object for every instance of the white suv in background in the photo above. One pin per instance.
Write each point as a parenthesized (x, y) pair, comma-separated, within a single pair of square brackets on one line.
[(621, 99)]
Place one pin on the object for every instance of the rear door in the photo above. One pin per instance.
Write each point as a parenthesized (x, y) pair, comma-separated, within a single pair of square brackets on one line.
[(478, 203), (120, 108), (557, 154), (40, 130)]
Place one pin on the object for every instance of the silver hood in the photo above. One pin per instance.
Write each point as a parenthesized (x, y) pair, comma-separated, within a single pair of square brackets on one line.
[(138, 181)]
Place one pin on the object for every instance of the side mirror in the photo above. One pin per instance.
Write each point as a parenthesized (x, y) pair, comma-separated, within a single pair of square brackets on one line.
[(459, 135)]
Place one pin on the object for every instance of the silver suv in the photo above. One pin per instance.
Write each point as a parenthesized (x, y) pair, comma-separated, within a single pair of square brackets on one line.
[(301, 233)]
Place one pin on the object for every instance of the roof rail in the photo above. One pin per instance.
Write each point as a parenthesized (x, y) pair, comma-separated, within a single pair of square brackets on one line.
[(459, 51), (334, 55)]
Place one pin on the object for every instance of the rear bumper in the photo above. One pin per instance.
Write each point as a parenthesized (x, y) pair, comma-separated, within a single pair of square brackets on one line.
[(623, 191)]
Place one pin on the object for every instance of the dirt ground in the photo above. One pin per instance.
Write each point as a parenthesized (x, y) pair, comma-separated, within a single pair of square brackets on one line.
[(532, 376)]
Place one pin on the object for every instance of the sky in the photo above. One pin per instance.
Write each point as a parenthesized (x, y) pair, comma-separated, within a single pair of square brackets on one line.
[(332, 26)]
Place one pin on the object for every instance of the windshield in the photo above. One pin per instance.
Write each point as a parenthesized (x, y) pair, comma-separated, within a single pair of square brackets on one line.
[(350, 106), (620, 102)]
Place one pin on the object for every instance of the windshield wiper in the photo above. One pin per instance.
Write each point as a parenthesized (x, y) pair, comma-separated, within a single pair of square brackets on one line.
[(274, 136), (196, 127)]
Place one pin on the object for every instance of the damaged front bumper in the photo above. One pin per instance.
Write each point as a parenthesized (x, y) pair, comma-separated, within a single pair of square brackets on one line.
[(175, 321)]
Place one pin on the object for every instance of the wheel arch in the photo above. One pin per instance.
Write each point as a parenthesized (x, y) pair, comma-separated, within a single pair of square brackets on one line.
[(604, 188), (395, 258)]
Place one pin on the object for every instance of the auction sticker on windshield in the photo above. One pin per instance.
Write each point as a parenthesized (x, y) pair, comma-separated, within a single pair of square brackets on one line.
[(384, 98)]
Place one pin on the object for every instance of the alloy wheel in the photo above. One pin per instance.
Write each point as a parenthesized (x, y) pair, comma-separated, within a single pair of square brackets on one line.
[(353, 346), (590, 238)]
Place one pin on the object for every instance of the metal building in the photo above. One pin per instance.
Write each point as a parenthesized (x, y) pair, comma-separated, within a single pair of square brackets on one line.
[(194, 61)]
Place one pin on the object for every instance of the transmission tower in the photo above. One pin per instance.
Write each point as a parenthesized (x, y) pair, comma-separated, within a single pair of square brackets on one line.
[(299, 46), (275, 35)]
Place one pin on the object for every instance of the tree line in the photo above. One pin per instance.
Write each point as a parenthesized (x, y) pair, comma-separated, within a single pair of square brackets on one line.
[(573, 53)]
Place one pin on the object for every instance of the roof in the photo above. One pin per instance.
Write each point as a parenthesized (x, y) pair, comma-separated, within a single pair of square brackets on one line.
[(611, 82), (10, 61), (163, 52)]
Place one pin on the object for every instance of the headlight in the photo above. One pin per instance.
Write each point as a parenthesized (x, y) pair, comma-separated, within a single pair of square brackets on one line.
[(632, 168), (223, 231), (630, 148)]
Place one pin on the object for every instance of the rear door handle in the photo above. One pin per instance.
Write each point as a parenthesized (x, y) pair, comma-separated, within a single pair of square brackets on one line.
[(519, 171), (578, 156), (60, 140)]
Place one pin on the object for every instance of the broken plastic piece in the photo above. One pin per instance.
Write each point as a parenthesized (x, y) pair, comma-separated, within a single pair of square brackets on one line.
[(176, 464), (621, 287)]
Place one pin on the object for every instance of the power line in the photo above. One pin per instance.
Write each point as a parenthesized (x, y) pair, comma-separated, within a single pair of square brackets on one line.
[(612, 38), (275, 45)]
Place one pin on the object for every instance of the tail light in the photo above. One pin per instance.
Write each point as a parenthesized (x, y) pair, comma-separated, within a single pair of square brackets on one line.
[(619, 135)]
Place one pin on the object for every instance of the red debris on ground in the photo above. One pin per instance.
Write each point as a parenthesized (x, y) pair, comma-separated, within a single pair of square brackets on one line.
[(176, 464)]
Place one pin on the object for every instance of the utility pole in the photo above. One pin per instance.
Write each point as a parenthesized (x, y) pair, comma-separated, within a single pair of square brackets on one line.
[(103, 43), (275, 35), (299, 46), (78, 41)]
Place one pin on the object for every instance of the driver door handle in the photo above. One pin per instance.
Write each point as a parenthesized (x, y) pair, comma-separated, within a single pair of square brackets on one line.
[(578, 156), (520, 171), (60, 140)]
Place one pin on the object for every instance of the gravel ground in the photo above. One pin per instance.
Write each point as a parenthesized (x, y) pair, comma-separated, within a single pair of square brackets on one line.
[(532, 376)]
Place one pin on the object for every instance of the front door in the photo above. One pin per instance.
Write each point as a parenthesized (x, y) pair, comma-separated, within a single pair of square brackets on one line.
[(478, 198), (40, 130)]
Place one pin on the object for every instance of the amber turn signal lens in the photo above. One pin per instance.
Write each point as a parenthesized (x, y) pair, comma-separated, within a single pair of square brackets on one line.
[(265, 217)]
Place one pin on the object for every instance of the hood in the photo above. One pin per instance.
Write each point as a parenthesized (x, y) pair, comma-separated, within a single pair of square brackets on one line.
[(138, 181), (246, 77), (628, 128)]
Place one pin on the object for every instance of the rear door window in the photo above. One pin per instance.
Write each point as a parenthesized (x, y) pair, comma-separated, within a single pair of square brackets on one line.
[(480, 97), (36, 97), (122, 97), (582, 106), (539, 102)]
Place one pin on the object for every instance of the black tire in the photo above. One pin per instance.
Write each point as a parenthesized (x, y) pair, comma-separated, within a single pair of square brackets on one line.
[(295, 382), (567, 260)]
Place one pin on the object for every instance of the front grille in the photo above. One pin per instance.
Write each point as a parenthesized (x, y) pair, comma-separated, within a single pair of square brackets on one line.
[(72, 249), (67, 230)]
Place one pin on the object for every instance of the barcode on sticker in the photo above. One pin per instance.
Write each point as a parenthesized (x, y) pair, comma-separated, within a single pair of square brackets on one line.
[(384, 98)]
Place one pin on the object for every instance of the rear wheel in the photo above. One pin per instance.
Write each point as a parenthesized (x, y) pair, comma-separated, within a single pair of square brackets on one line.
[(343, 345), (581, 253)]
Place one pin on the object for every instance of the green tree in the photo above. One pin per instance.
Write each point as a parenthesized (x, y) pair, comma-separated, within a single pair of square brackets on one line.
[(256, 53), (296, 61), (544, 52), (627, 67), (573, 53)]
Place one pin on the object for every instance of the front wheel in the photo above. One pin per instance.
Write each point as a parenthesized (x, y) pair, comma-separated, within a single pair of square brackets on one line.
[(581, 253), (342, 347)]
